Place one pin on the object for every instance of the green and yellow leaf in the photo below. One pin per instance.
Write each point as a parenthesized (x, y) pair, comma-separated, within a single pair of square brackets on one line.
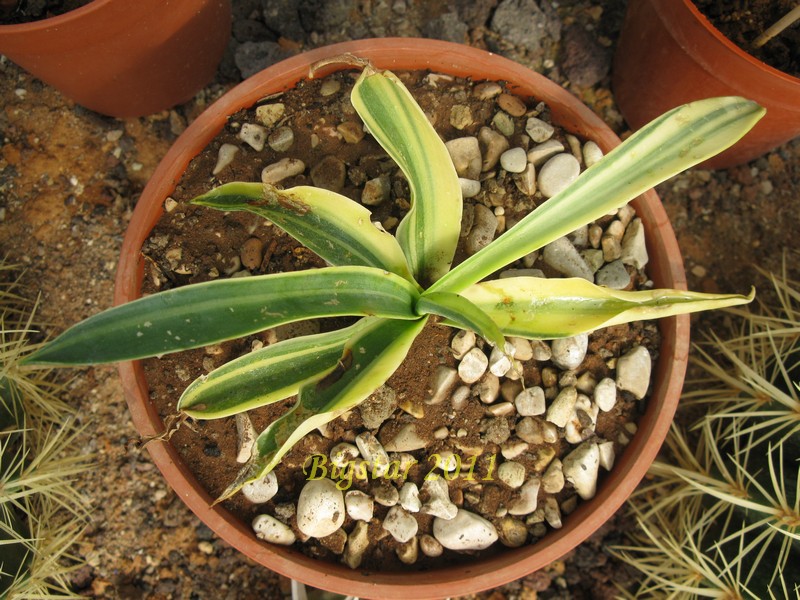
[(457, 309), (539, 308)]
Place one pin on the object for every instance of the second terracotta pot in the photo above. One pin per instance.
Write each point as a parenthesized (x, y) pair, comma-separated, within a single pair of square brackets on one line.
[(669, 54), (124, 58), (665, 268)]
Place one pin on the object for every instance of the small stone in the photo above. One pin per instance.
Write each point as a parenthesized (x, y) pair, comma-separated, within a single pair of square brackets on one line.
[(563, 407), (224, 157), (591, 153), (581, 467), (463, 342), (460, 396), (430, 546), (281, 139), (329, 174), (465, 153), (562, 256), (541, 350), (514, 160), (409, 497), (522, 348), (385, 494), (607, 455), (541, 153), (528, 498), (469, 187), (513, 532), (513, 105), (633, 371), (484, 227), (557, 174), (526, 181), (282, 169), (261, 490), (530, 402), (357, 544), (351, 132), (612, 248), (513, 449), (494, 144), (529, 430), (330, 87), (497, 430), (320, 508), (251, 253), (438, 501), (605, 394), (539, 130), (373, 452), (245, 437), (511, 473), (406, 440), (466, 531), (504, 123), (461, 116), (343, 453), (269, 114), (553, 478), (614, 276), (500, 362), (594, 259), (568, 353), (634, 250), (270, 529), (488, 388), (473, 366), (335, 542), (442, 382), (408, 552), (253, 135), (552, 513), (501, 409), (378, 407), (487, 90), (360, 506)]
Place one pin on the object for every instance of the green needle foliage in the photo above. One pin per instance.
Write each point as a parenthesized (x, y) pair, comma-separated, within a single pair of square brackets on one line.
[(395, 283), (720, 518)]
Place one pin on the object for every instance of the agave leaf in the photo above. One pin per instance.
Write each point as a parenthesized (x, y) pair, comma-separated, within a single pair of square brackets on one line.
[(207, 313), (268, 375), (460, 311), (539, 308), (668, 145), (337, 229), (368, 361), (429, 232)]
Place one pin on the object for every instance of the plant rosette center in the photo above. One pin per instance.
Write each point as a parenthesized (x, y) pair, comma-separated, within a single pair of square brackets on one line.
[(504, 445)]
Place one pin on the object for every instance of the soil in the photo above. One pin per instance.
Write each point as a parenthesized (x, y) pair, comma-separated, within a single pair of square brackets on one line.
[(70, 178), (190, 242), (14, 12), (743, 21)]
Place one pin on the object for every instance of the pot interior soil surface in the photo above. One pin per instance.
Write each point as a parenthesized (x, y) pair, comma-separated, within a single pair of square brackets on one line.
[(743, 21), (14, 12), (484, 424)]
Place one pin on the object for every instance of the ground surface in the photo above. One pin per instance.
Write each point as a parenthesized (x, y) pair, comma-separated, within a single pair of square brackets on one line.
[(69, 180)]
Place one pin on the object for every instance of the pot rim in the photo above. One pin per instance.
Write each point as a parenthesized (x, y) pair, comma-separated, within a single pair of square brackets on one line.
[(616, 486)]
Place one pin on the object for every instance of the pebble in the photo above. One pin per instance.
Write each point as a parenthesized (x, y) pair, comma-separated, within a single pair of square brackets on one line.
[(514, 160), (463, 342), (443, 380), (568, 353), (401, 525), (539, 130), (484, 226), (594, 259), (466, 531), (473, 366), (245, 436), (270, 529), (614, 275), (430, 546), (522, 348), (488, 388), (501, 409), (497, 430), (504, 123), (329, 87), (563, 407), (591, 153), (487, 90), (581, 467), (320, 508), (329, 174), (282, 169), (357, 544), (552, 513), (513, 105), (351, 132), (261, 490), (553, 478), (465, 153), (378, 407), (605, 394), (461, 116), (343, 453), (406, 440), (360, 506), (373, 452), (607, 455), (541, 350), (526, 181), (634, 250), (557, 174), (224, 157), (409, 497), (460, 397), (513, 449), (281, 139), (494, 144), (253, 135), (513, 532), (633, 371), (528, 498), (408, 552), (438, 503), (561, 255), (385, 494), (500, 361), (251, 253), (469, 187), (540, 153), (530, 402), (269, 114), (511, 473)]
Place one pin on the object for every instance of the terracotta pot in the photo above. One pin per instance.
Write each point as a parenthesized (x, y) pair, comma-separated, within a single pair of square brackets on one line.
[(124, 58), (669, 54), (665, 268)]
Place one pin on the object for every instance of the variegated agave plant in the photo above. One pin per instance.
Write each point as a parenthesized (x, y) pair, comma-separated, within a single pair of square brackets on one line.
[(395, 283)]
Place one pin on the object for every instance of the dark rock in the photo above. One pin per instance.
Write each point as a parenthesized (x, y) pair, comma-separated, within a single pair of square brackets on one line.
[(448, 27), (585, 61), (523, 23), (252, 57)]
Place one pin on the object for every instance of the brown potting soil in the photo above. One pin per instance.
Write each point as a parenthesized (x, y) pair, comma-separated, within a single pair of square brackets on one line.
[(192, 244)]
